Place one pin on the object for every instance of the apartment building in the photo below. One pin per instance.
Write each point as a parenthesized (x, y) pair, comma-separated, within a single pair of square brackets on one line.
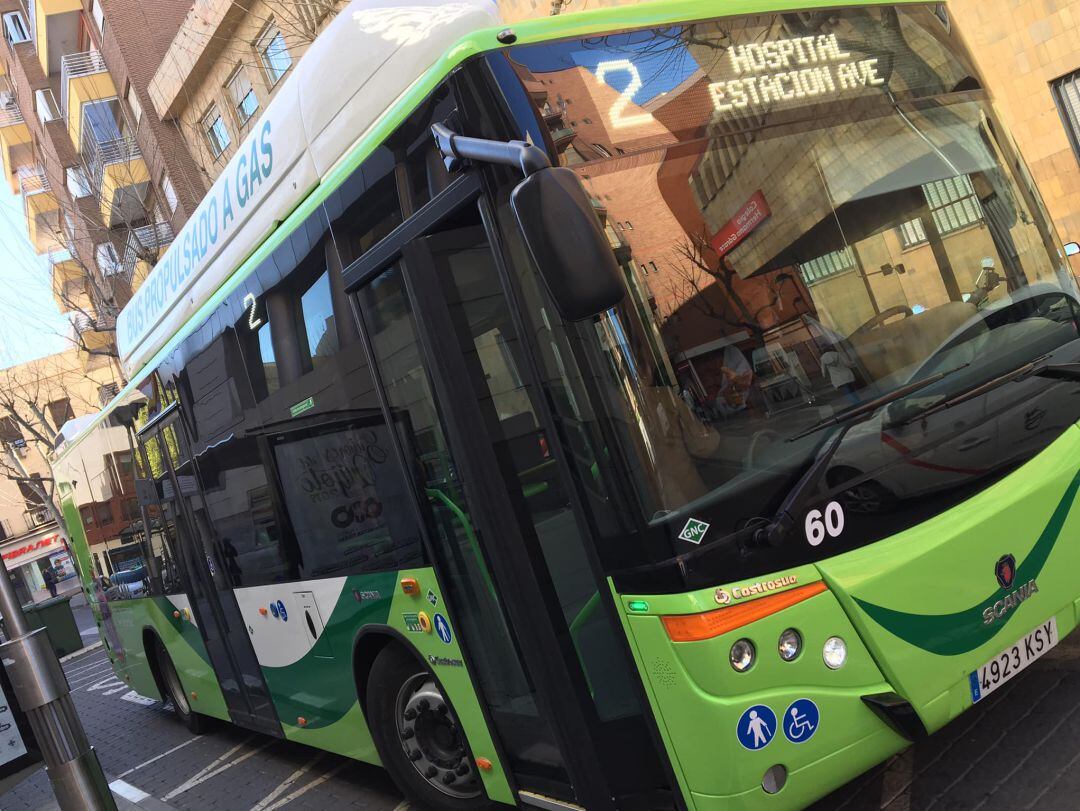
[(47, 393), (224, 65), (105, 183)]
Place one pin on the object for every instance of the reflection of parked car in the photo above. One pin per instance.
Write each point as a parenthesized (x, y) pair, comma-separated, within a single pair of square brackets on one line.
[(904, 454), (127, 584)]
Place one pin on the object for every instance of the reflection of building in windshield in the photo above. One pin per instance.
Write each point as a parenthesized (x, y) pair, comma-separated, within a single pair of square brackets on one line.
[(761, 237)]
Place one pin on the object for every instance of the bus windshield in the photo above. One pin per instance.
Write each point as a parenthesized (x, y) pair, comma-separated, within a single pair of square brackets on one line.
[(812, 210)]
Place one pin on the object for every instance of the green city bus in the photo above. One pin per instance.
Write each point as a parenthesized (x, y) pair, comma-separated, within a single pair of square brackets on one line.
[(631, 409)]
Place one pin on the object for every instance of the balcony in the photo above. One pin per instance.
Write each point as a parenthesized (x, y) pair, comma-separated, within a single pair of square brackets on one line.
[(42, 210), (84, 77), (71, 287), (120, 177), (54, 27), (16, 149), (145, 246), (95, 334)]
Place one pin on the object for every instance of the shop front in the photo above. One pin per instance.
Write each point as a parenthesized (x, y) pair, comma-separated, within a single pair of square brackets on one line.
[(28, 557)]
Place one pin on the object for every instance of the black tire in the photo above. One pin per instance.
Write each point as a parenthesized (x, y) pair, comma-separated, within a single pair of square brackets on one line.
[(173, 691), (424, 751)]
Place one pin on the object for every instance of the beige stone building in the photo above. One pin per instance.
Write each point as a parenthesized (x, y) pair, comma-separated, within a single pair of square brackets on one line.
[(1029, 54), (44, 394), (224, 66)]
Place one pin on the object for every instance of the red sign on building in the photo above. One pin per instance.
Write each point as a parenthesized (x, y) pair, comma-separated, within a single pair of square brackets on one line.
[(753, 213)]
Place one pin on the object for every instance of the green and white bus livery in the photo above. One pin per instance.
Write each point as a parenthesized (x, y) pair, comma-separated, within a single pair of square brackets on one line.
[(666, 406)]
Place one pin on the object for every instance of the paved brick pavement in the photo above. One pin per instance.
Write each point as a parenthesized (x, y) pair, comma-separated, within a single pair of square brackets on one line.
[(228, 768), (1020, 748)]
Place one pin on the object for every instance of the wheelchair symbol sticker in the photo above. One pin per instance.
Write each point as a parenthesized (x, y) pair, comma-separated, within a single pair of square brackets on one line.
[(756, 727), (801, 720)]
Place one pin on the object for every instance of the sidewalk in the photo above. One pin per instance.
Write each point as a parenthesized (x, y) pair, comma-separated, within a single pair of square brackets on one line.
[(63, 588)]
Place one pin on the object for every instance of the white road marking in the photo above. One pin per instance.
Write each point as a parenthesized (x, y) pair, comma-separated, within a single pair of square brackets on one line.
[(214, 769), (304, 789), (403, 806), (121, 689), (87, 665), (101, 683), (86, 671), (156, 758), (82, 652), (135, 698), (283, 786), (128, 791)]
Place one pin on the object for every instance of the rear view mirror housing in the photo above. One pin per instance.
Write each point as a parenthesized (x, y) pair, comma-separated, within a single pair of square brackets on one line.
[(567, 243), (556, 218)]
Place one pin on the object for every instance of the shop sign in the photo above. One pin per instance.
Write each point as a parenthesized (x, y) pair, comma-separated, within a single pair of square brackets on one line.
[(752, 214), (33, 550)]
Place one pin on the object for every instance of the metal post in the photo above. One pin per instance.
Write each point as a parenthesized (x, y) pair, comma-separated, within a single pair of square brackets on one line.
[(42, 691)]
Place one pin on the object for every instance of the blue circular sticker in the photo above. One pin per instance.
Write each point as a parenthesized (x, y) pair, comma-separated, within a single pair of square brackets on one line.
[(757, 726), (281, 611), (442, 628), (801, 720)]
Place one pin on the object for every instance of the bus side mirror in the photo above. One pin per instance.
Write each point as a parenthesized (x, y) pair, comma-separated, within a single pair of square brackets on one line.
[(1072, 248), (567, 243)]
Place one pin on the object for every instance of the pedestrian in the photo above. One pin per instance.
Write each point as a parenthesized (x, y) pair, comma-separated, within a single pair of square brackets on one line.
[(50, 580)]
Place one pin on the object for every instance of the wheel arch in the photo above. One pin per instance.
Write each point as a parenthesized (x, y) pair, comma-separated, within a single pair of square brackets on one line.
[(369, 642), (149, 637)]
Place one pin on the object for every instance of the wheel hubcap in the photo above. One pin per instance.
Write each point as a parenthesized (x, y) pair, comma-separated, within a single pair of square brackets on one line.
[(176, 691), (432, 739)]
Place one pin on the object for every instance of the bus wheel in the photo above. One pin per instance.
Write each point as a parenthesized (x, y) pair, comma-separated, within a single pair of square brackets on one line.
[(418, 735), (175, 692)]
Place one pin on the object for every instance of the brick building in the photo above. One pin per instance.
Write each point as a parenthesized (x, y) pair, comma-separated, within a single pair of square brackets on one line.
[(105, 183)]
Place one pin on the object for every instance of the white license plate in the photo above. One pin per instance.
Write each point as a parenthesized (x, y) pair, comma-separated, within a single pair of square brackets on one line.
[(1012, 660)]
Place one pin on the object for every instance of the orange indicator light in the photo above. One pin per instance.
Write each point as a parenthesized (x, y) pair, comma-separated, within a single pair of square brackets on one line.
[(483, 763), (263, 611), (695, 627), (302, 721), (410, 586)]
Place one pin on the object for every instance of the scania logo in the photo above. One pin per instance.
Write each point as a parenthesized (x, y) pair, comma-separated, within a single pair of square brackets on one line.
[(1007, 603), (1005, 570)]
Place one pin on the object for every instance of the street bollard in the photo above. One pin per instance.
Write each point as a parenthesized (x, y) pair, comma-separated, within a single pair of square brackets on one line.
[(42, 691)]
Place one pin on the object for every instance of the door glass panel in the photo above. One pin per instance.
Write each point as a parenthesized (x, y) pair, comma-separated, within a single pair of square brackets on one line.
[(388, 317), (493, 356)]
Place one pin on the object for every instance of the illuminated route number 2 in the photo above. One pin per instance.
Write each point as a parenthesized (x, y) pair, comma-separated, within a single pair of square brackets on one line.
[(627, 96), (819, 524)]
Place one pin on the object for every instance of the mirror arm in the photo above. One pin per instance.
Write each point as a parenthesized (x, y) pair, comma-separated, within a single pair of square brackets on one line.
[(456, 148)]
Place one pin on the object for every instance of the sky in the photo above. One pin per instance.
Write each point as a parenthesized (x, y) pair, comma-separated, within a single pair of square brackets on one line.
[(31, 325)]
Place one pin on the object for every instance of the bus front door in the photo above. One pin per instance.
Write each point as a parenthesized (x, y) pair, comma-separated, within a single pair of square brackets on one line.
[(212, 602), (530, 608)]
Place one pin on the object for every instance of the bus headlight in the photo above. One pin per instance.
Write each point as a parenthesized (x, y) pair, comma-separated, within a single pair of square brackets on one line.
[(834, 653), (742, 655), (790, 644)]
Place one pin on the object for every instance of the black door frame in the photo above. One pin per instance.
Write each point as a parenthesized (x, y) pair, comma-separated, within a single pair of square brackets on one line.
[(195, 572), (522, 597)]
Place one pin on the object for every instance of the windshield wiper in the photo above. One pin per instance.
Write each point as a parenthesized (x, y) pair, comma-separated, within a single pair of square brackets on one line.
[(873, 405), (1035, 368), (806, 486)]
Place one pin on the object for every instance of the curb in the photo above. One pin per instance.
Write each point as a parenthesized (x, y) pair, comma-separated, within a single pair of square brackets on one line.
[(80, 652)]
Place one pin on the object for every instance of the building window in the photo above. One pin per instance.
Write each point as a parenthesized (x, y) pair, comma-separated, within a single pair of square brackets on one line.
[(45, 105), (243, 96), (644, 270), (105, 396), (830, 264), (98, 13), (61, 412), (1066, 92), (652, 265), (15, 29), (133, 103), (953, 203), (108, 260), (77, 181), (168, 191), (217, 134), (273, 53)]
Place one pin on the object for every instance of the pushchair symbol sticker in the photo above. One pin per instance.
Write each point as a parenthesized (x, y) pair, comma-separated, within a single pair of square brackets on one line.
[(801, 720)]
